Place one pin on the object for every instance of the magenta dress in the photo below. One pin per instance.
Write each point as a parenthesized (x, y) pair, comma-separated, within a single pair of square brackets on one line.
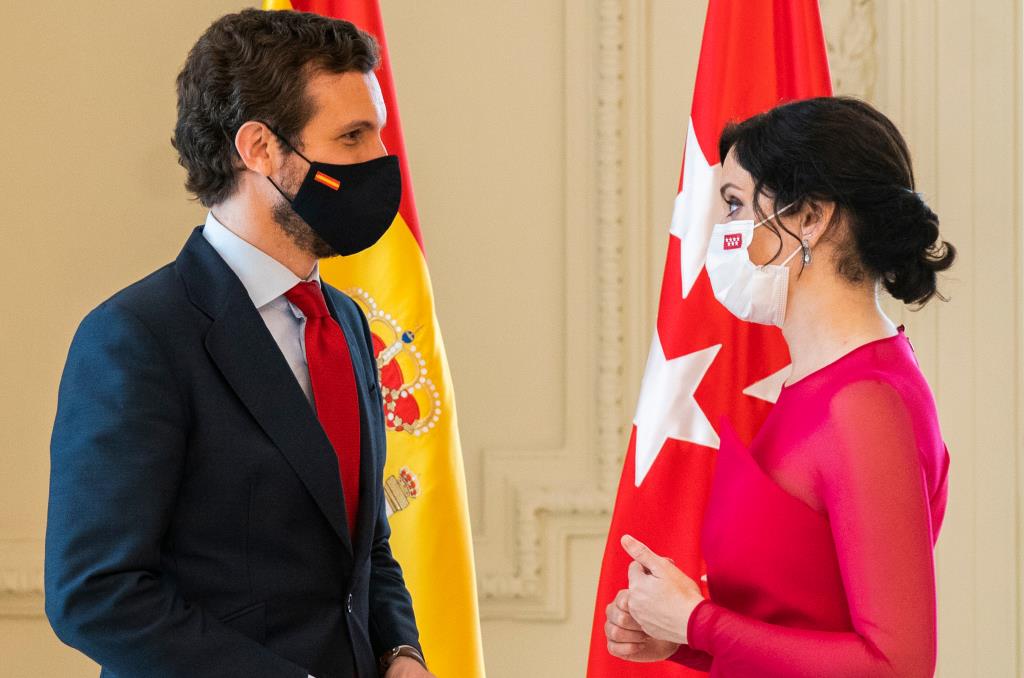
[(819, 537)]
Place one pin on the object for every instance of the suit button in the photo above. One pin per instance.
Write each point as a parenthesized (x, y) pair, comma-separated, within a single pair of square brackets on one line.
[(348, 604)]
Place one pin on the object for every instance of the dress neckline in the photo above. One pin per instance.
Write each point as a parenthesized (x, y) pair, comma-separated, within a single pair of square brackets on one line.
[(900, 332)]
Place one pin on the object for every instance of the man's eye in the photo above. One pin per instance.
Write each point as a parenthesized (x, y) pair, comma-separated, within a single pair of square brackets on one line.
[(352, 136)]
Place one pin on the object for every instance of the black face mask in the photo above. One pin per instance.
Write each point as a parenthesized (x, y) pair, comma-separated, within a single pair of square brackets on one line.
[(349, 206)]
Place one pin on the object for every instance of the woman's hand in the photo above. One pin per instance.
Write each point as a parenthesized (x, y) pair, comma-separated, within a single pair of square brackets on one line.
[(626, 640), (661, 596)]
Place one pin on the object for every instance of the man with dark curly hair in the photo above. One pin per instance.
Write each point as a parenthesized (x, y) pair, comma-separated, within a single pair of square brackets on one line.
[(216, 503)]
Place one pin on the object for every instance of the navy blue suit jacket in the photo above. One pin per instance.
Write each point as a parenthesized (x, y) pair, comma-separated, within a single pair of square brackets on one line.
[(196, 520)]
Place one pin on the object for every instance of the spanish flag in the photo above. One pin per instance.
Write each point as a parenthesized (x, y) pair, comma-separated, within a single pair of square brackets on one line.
[(424, 479)]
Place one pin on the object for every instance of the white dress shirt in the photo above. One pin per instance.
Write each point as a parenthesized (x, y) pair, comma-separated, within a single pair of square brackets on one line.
[(266, 280)]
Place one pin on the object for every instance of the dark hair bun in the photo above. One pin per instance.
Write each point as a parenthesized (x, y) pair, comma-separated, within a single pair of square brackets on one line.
[(904, 248)]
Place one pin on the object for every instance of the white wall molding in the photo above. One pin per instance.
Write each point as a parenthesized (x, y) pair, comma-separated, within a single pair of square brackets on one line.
[(851, 39), (547, 514), (950, 77)]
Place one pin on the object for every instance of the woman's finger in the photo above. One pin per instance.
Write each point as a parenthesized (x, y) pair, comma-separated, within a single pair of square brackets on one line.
[(638, 551), (621, 635), (620, 618), (635, 573), (623, 650)]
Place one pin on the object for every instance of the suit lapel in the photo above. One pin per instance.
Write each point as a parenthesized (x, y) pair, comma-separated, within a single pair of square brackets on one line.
[(245, 352)]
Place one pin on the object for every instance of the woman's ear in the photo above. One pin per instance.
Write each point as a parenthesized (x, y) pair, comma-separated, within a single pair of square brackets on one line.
[(815, 219)]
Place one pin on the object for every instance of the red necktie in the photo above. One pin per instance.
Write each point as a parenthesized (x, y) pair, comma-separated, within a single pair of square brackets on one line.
[(334, 388)]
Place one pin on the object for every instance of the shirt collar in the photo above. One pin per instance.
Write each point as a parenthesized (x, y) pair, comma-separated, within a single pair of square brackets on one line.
[(264, 278)]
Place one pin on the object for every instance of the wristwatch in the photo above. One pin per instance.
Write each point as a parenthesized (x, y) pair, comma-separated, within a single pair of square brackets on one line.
[(401, 651)]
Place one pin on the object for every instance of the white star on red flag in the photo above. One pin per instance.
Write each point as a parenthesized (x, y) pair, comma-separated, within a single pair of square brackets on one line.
[(693, 216), (666, 407), (768, 389)]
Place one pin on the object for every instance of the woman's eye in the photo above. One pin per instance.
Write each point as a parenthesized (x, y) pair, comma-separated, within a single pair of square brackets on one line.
[(732, 206)]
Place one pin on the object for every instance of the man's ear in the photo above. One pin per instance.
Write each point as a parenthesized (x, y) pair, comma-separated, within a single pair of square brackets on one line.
[(815, 219), (257, 147)]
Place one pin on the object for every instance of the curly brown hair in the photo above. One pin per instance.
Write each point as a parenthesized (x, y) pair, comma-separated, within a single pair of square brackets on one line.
[(254, 65)]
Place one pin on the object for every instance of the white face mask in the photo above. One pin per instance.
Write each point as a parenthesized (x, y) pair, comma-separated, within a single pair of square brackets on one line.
[(753, 293)]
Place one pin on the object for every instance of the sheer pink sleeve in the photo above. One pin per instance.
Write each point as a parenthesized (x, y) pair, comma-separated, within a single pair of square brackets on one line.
[(871, 482), (695, 659)]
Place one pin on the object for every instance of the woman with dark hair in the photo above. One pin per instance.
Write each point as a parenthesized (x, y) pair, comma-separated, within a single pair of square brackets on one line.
[(819, 535)]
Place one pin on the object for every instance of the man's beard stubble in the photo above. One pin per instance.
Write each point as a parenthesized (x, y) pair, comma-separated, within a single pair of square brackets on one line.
[(296, 228)]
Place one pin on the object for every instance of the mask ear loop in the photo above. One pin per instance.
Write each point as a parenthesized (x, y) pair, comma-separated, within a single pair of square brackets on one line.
[(769, 218), (804, 249), (289, 145), (805, 246), (291, 201), (285, 141)]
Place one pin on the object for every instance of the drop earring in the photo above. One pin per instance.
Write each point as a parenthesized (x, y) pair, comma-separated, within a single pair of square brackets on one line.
[(806, 247)]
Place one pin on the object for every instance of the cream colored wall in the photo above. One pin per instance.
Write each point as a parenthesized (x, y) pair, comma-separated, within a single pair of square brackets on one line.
[(92, 200), (545, 140), (949, 73)]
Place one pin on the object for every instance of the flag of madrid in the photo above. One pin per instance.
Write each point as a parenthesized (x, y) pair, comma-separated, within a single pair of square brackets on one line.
[(703, 362)]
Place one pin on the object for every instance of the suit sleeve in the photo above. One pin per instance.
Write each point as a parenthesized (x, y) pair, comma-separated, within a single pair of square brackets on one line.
[(117, 454), (392, 620), (873, 487)]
